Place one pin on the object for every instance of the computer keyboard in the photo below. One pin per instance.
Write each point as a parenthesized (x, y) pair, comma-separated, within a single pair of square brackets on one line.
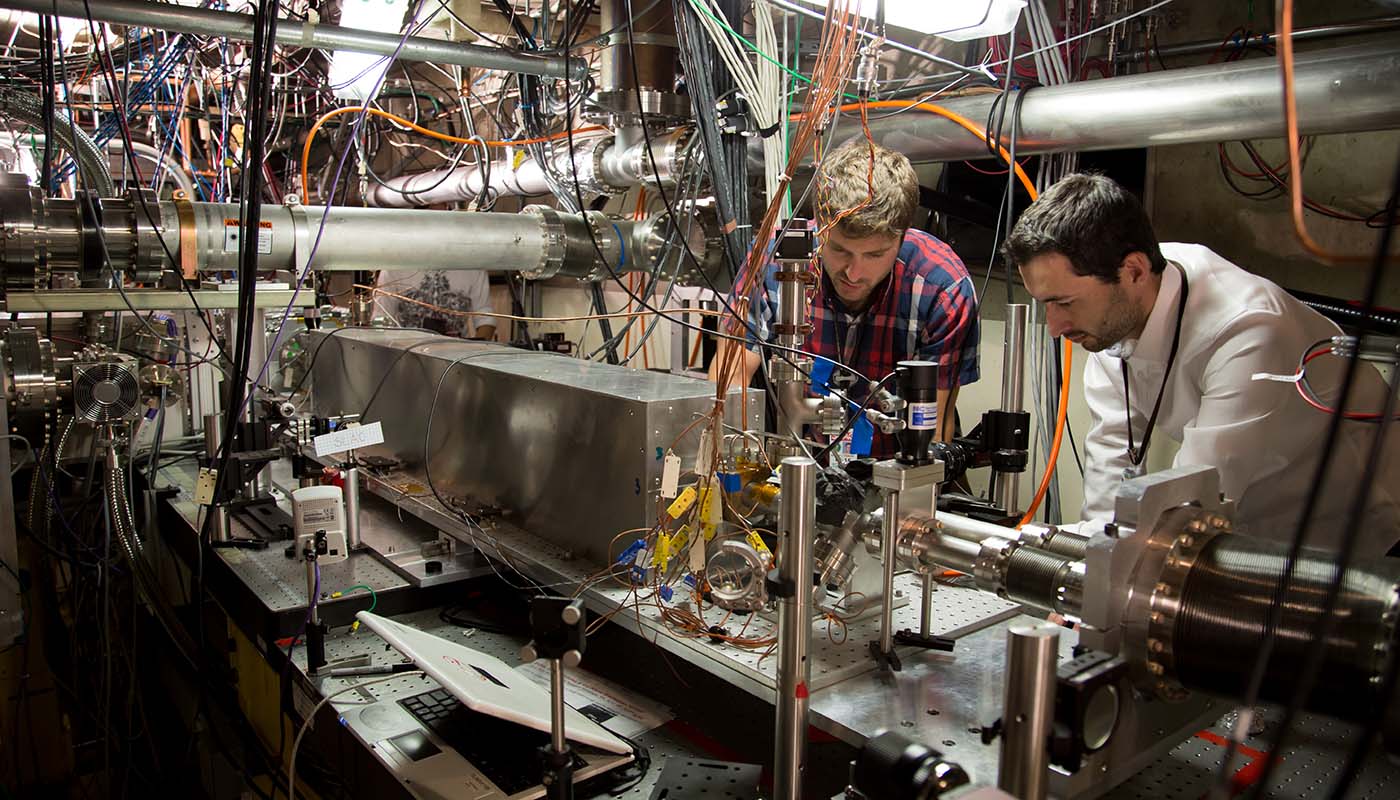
[(507, 753)]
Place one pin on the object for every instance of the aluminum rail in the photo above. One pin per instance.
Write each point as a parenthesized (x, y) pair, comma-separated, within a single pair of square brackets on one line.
[(1339, 90), (227, 24)]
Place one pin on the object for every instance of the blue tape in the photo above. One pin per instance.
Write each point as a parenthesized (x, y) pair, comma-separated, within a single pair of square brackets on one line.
[(730, 481), (622, 247), (862, 433), (821, 375)]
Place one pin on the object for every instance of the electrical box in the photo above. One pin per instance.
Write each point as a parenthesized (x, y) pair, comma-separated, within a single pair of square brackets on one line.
[(318, 510)]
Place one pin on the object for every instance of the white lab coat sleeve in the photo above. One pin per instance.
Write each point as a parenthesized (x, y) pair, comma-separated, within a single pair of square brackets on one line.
[(478, 291), (1106, 445), (1248, 429)]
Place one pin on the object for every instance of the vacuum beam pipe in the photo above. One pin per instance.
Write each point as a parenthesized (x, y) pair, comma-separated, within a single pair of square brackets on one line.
[(796, 523), (1339, 90), (239, 27), (544, 244)]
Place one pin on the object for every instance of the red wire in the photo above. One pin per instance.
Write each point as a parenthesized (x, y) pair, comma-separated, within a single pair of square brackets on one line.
[(1298, 384)]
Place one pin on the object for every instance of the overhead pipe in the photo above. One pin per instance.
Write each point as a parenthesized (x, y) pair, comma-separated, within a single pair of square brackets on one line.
[(239, 27), (1359, 27), (1339, 90), (601, 165)]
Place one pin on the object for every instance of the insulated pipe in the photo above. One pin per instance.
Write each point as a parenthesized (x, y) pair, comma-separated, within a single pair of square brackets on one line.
[(601, 164), (544, 243), (1339, 90), (796, 524), (239, 27)]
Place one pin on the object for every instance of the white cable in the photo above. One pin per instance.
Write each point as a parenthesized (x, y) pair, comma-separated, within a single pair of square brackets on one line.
[(306, 723)]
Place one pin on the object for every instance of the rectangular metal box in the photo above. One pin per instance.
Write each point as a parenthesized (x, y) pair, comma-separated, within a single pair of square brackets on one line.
[(570, 449)]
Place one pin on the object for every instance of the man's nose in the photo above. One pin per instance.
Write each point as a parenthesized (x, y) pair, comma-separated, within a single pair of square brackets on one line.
[(1056, 321)]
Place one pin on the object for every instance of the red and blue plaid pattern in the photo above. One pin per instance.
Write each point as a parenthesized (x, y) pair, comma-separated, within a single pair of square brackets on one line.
[(926, 309)]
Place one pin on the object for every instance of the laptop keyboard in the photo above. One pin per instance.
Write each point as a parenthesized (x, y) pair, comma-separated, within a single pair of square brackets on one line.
[(507, 753)]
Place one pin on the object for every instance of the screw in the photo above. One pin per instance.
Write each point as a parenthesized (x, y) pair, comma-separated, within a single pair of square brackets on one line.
[(906, 723), (948, 742), (933, 712)]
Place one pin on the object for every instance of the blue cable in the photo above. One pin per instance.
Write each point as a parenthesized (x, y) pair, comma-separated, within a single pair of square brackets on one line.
[(622, 247)]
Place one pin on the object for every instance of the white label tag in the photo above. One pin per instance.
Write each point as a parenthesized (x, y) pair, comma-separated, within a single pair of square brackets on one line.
[(923, 416), (697, 555), (670, 476), (349, 438), (705, 455)]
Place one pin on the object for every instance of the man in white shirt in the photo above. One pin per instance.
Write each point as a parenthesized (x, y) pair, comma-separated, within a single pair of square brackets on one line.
[(461, 290), (1182, 344)]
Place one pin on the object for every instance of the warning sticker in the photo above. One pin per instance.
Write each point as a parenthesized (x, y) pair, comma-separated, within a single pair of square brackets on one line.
[(233, 230)]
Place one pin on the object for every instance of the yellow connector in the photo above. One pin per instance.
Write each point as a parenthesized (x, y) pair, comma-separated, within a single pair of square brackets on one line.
[(682, 503)]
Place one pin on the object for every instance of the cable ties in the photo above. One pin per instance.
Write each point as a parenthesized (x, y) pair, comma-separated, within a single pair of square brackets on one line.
[(1270, 376)]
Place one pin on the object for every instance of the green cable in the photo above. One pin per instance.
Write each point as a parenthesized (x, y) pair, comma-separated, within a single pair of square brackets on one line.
[(784, 67), (373, 598)]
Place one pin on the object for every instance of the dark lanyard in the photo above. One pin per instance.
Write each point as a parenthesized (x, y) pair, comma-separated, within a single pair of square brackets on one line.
[(1137, 456)]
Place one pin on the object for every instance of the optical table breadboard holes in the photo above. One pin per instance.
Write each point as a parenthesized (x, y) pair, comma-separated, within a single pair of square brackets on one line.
[(1309, 768), (957, 610)]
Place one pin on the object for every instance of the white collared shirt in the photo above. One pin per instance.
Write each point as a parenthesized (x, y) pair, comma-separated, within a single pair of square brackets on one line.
[(1264, 439)]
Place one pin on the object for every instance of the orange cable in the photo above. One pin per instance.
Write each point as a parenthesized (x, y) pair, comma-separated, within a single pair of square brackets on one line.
[(1060, 418), (329, 115), (1055, 445), (1290, 118)]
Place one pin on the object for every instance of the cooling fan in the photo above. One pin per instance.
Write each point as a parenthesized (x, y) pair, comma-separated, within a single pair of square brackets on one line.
[(108, 390)]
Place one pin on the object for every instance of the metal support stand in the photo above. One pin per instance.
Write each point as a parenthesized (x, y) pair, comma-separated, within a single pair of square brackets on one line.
[(557, 631), (351, 475), (315, 631), (1013, 388), (1032, 650), (220, 530), (791, 584), (894, 477)]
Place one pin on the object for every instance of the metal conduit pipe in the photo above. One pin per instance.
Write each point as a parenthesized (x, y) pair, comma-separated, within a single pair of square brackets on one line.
[(602, 164), (239, 27), (1315, 33), (1010, 569), (1339, 90), (541, 242), (1042, 537)]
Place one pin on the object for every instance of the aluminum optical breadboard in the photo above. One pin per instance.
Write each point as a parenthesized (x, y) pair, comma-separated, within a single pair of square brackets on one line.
[(836, 655), (1310, 766)]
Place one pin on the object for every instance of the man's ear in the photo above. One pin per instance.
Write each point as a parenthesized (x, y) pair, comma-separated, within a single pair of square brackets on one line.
[(1134, 268)]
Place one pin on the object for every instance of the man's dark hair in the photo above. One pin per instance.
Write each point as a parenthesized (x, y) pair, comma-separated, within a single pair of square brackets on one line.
[(1090, 220)]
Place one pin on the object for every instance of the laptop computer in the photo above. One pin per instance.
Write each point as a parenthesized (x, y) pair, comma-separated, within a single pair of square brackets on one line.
[(478, 736)]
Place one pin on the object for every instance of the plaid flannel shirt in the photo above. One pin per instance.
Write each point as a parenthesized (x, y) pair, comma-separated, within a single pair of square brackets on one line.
[(926, 309)]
